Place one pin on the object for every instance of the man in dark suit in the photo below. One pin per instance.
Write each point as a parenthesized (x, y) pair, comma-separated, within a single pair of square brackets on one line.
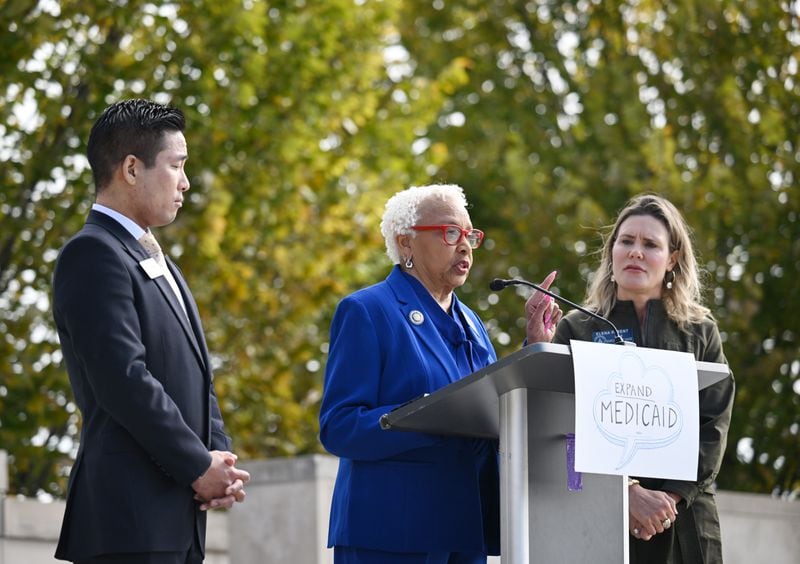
[(153, 453)]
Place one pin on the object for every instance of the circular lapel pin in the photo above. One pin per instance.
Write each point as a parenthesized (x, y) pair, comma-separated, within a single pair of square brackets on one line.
[(416, 317)]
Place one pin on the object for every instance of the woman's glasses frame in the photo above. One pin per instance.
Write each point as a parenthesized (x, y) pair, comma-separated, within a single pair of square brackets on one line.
[(452, 234)]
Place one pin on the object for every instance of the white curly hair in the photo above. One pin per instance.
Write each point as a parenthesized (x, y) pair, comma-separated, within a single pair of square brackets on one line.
[(402, 212)]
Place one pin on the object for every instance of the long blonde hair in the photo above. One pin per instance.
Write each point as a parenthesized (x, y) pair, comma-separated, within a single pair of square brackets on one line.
[(683, 303)]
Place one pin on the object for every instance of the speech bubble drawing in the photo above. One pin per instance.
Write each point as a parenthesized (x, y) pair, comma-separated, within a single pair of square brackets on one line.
[(637, 410)]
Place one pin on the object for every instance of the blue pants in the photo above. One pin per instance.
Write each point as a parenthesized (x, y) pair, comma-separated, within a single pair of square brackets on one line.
[(346, 555)]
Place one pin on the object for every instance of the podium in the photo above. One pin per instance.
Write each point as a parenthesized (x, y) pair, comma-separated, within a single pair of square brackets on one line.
[(527, 401)]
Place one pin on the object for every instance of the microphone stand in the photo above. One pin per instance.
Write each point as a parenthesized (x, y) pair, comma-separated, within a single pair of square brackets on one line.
[(498, 284)]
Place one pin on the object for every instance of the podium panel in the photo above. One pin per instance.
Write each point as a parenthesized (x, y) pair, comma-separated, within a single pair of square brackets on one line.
[(589, 525)]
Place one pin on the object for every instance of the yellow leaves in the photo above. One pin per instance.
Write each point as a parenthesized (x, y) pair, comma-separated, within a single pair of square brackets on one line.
[(215, 222), (298, 135), (729, 94), (246, 94), (773, 125), (438, 153), (454, 75)]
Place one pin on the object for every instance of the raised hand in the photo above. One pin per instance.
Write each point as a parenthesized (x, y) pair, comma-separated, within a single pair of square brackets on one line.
[(542, 314)]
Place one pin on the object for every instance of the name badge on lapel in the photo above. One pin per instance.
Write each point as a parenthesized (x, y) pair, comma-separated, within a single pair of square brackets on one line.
[(151, 268)]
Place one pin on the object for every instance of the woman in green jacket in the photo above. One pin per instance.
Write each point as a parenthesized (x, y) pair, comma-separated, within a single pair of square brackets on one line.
[(648, 285)]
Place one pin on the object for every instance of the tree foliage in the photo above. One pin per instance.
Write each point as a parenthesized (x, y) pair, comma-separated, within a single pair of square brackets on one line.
[(305, 116), (571, 107), (299, 128)]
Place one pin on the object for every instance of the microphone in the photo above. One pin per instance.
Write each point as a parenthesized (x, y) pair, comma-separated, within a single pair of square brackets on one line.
[(498, 284)]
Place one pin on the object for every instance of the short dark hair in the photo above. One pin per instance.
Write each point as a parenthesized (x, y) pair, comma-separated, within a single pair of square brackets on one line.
[(129, 127)]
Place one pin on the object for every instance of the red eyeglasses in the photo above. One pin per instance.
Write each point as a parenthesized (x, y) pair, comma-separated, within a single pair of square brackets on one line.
[(452, 234)]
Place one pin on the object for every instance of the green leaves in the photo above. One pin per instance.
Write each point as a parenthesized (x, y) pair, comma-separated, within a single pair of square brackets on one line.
[(572, 107), (304, 117)]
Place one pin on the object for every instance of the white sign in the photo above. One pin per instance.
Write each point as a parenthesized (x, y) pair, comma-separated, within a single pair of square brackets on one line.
[(636, 411)]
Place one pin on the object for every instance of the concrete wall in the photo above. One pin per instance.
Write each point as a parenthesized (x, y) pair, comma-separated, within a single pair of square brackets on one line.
[(29, 528), (285, 520), (29, 533), (285, 516), (758, 528)]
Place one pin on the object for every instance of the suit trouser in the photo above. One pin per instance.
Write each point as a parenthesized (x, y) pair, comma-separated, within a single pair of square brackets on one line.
[(192, 556)]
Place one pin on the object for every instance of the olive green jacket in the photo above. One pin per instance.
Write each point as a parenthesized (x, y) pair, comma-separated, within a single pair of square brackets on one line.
[(715, 403)]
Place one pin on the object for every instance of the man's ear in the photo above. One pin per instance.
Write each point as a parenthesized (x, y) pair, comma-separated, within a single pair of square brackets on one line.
[(129, 169)]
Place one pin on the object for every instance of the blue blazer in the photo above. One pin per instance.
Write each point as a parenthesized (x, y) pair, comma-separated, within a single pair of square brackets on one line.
[(141, 375), (402, 491)]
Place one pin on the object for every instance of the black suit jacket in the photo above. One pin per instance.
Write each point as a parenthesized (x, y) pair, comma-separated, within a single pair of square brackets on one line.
[(141, 375)]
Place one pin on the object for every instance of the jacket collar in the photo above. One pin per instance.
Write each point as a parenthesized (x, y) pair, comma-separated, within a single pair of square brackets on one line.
[(425, 317), (111, 225), (656, 318), (135, 250)]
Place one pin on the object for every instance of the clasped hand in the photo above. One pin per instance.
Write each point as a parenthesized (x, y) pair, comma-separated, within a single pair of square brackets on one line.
[(222, 484), (650, 511)]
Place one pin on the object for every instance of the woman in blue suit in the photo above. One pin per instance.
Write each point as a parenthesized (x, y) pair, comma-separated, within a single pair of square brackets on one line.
[(410, 497)]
